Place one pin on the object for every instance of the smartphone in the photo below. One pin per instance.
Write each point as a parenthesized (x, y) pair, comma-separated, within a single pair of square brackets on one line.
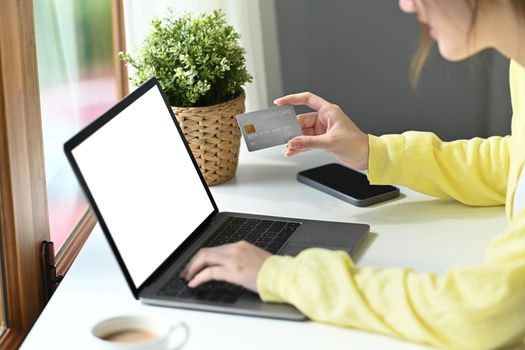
[(346, 184)]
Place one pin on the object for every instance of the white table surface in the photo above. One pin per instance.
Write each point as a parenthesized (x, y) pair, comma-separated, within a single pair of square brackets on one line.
[(415, 230)]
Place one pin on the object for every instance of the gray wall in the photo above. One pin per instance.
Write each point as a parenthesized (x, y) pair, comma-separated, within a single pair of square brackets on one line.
[(357, 54)]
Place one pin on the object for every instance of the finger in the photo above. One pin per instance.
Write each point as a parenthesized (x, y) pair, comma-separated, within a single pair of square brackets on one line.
[(292, 152), (211, 273), (407, 6), (308, 142), (309, 131), (303, 98), (307, 120), (204, 257)]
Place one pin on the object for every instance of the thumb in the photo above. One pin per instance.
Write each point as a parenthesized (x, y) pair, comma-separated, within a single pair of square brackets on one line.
[(303, 143)]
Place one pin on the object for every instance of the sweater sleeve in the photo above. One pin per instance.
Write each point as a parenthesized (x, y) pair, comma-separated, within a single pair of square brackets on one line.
[(473, 172), (480, 307)]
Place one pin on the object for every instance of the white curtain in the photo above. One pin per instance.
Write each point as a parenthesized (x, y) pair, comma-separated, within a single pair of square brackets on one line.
[(244, 15), (76, 85)]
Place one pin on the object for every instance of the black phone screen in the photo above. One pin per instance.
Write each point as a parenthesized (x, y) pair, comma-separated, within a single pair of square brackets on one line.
[(347, 181)]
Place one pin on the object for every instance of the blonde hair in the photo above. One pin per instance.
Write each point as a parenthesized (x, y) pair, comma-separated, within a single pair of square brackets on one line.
[(425, 40)]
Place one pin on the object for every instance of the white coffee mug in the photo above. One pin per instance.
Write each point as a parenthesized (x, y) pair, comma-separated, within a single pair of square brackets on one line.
[(138, 332)]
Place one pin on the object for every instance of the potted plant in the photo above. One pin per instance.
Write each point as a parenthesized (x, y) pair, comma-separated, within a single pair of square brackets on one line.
[(201, 67)]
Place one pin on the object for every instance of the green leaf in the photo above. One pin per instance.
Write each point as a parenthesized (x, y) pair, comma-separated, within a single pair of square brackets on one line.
[(196, 58)]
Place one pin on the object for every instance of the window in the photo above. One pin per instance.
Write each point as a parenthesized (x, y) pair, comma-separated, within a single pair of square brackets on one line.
[(24, 215)]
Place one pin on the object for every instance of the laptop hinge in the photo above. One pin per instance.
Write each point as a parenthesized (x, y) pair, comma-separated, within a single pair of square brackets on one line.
[(50, 279)]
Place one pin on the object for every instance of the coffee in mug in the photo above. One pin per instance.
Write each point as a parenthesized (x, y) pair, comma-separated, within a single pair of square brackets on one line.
[(130, 335), (138, 332)]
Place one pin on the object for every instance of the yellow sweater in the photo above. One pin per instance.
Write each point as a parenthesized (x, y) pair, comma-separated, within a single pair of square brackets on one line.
[(480, 307)]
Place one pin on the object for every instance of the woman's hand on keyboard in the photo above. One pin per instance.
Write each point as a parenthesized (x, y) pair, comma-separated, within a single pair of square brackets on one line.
[(238, 263)]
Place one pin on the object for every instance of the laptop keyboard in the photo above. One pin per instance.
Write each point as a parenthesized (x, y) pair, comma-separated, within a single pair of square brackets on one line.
[(266, 234)]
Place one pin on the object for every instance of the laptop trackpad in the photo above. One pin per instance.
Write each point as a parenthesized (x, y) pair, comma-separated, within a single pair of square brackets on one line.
[(294, 249)]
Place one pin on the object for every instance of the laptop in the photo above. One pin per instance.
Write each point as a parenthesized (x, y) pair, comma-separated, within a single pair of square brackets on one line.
[(156, 211)]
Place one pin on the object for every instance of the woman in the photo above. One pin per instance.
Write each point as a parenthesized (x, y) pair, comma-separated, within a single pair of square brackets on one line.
[(469, 307)]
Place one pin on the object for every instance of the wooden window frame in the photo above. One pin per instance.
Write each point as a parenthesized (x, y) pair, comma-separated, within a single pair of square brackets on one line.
[(24, 221), (119, 44), (23, 203)]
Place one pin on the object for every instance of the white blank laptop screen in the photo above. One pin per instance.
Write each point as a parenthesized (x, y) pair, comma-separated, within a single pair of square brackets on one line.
[(144, 183)]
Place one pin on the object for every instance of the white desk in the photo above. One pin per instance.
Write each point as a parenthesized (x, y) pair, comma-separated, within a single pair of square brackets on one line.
[(416, 230)]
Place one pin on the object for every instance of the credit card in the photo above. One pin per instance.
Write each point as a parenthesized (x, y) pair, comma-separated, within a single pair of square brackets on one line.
[(268, 127)]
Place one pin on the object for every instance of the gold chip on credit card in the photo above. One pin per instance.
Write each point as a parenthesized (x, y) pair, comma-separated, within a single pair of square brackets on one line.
[(250, 128)]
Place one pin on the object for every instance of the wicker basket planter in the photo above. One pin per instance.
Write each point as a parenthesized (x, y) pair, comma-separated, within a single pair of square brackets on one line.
[(214, 136)]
